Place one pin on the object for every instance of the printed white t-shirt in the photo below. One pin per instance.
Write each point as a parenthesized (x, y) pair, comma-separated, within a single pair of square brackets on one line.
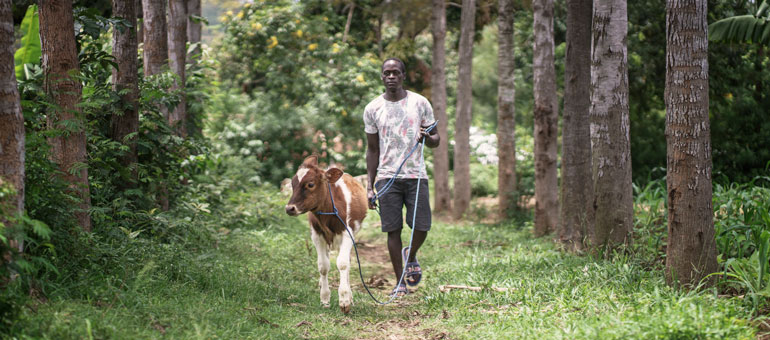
[(398, 124)]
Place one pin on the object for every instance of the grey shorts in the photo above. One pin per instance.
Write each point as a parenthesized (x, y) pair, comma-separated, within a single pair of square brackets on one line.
[(401, 194)]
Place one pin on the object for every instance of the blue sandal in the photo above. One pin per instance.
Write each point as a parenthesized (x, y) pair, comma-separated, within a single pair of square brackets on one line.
[(413, 270), (400, 290)]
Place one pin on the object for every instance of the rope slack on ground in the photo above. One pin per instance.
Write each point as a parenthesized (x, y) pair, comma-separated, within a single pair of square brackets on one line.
[(377, 195)]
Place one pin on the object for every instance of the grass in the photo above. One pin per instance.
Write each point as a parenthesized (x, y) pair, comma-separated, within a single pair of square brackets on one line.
[(262, 284)]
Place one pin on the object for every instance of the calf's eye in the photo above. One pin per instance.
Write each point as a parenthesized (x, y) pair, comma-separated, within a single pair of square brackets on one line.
[(310, 185)]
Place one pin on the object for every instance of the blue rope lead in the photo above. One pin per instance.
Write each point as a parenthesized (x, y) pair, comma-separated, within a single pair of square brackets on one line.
[(379, 193)]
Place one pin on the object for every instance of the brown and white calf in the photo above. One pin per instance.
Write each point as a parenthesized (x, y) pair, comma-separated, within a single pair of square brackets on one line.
[(310, 193)]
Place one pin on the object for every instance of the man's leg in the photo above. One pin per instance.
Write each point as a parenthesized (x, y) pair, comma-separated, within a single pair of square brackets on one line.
[(391, 205), (394, 249), (419, 238), (423, 219)]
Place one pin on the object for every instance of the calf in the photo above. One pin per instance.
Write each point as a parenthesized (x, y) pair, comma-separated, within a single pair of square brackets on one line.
[(310, 193)]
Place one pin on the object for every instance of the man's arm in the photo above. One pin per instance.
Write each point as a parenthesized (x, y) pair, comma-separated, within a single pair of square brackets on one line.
[(372, 162)]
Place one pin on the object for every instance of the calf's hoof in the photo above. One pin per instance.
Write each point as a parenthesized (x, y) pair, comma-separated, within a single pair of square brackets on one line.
[(345, 309), (325, 305)]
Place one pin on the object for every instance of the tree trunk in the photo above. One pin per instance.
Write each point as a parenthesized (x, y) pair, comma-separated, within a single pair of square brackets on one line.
[(347, 23), (546, 120), (140, 26), (378, 34), (610, 145), (462, 171), (194, 30), (155, 40), (11, 126), (442, 197), (60, 61), (177, 51), (506, 122), (576, 187), (124, 48), (691, 250)]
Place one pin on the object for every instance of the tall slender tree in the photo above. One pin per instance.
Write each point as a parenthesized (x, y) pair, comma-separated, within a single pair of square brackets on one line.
[(610, 145), (156, 57), (11, 123), (506, 122), (546, 114), (691, 251), (125, 78), (576, 186), (60, 63), (194, 28), (462, 171), (177, 53), (155, 36), (438, 96)]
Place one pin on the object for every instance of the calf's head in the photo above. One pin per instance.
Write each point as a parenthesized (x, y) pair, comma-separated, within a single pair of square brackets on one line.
[(309, 187)]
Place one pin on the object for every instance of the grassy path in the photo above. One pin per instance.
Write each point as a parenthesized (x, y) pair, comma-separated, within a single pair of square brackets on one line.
[(263, 285)]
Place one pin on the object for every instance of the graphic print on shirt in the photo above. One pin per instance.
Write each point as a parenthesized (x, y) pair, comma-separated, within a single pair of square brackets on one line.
[(398, 124)]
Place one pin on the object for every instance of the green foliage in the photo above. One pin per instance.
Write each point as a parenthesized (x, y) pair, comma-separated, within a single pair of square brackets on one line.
[(484, 180), (300, 78), (29, 52), (743, 28)]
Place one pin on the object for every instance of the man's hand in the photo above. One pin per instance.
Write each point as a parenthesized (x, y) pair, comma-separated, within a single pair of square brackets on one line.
[(423, 133), (431, 138), (370, 199)]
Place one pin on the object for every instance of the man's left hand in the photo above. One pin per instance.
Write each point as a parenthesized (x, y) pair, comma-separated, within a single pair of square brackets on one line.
[(424, 133)]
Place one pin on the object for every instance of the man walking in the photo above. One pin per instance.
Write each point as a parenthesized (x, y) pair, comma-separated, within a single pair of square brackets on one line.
[(394, 122)]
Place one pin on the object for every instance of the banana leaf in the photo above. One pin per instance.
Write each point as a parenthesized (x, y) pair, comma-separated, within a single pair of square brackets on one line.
[(29, 52)]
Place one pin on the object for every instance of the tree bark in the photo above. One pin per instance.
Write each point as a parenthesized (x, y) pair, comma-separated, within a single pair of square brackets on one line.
[(610, 145), (156, 57), (348, 22), (462, 176), (576, 187), (442, 197), (546, 113), (691, 250), (177, 51), (155, 36), (506, 114), (194, 29), (11, 125), (124, 48), (60, 62)]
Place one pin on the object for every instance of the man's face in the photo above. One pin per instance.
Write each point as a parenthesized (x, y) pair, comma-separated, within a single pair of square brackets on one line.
[(392, 76)]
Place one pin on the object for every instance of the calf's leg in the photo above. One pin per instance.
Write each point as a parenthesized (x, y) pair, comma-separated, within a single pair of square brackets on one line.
[(343, 264), (322, 249)]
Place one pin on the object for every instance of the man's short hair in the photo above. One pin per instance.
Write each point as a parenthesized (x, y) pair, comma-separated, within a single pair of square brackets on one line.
[(400, 63)]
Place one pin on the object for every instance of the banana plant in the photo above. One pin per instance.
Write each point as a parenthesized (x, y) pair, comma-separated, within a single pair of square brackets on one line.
[(29, 52), (744, 28)]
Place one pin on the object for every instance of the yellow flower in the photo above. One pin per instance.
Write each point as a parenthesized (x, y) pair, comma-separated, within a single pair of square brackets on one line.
[(326, 19), (360, 78), (729, 96), (273, 42), (296, 21), (335, 48), (360, 64), (256, 26), (240, 15), (312, 47), (247, 5), (344, 113), (229, 13), (299, 33), (285, 105)]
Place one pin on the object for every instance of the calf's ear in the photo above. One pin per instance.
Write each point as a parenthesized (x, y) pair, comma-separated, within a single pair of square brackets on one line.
[(333, 175), (311, 161)]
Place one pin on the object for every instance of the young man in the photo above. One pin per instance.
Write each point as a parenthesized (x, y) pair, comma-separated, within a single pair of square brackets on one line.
[(394, 122)]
